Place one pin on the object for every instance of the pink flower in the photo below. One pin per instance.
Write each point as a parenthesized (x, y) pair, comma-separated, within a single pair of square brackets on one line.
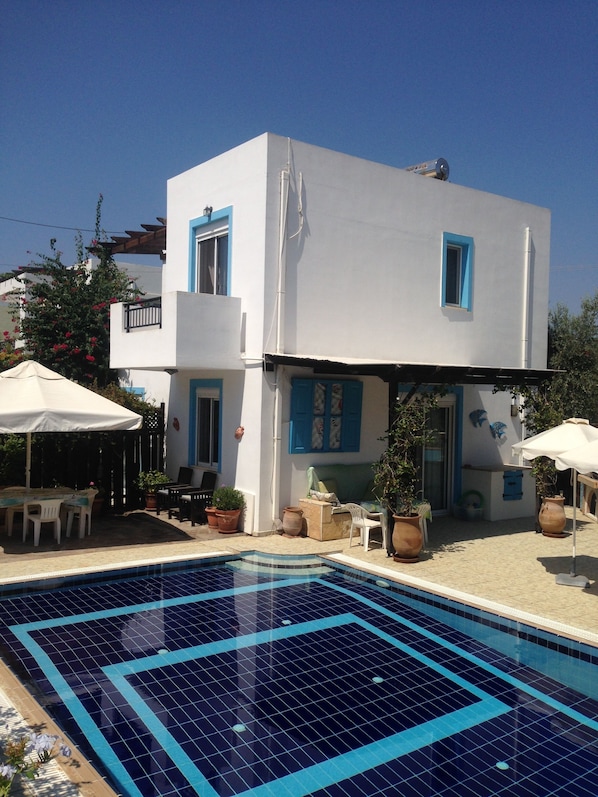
[(68, 335), (90, 357)]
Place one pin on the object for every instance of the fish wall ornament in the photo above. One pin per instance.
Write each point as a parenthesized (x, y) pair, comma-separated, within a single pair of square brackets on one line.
[(477, 417), (498, 429)]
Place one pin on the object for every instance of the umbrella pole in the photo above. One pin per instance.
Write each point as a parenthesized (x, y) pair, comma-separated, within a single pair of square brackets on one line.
[(570, 579), (28, 462)]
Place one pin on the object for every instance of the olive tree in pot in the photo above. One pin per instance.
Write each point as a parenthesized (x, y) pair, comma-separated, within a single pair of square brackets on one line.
[(397, 472)]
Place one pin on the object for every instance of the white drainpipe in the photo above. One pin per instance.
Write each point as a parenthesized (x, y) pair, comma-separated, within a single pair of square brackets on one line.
[(527, 267), (278, 370)]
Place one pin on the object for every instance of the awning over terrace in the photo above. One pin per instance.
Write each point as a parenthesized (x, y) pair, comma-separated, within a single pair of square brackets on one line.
[(414, 373)]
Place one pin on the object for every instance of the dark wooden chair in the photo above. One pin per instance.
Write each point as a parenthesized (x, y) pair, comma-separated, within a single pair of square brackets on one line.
[(165, 494), (192, 503)]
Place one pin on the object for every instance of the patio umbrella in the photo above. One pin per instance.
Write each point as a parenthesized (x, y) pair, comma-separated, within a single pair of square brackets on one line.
[(35, 399), (553, 443)]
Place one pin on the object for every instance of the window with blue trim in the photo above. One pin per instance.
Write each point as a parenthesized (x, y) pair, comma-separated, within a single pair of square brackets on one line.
[(210, 253), (457, 271), (325, 415), (205, 424), (136, 391)]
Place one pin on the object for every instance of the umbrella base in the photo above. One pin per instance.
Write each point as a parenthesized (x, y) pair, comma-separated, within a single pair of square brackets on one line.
[(567, 580)]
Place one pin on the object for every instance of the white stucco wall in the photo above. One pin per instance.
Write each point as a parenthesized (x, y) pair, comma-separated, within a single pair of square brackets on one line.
[(362, 280), (364, 277)]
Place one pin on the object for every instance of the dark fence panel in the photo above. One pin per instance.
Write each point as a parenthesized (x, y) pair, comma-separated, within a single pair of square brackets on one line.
[(109, 459)]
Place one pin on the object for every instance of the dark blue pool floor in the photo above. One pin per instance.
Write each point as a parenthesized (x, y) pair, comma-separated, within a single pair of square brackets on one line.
[(217, 682)]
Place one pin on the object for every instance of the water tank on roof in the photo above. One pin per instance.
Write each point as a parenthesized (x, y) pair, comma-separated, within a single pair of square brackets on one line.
[(439, 169)]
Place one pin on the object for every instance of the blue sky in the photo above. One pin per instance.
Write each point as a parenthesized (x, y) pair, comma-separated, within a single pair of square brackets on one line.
[(116, 96)]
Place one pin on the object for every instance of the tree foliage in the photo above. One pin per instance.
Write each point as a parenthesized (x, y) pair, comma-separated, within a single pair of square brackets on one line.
[(571, 392), (65, 321)]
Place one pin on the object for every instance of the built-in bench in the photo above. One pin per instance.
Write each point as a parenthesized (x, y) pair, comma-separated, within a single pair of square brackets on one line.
[(330, 485)]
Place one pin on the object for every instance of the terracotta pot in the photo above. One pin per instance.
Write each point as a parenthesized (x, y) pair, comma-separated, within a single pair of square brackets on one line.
[(552, 517), (211, 515), (407, 539), (292, 521), (151, 501), (228, 520)]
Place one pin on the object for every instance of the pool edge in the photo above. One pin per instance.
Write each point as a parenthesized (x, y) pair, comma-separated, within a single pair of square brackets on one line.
[(503, 610)]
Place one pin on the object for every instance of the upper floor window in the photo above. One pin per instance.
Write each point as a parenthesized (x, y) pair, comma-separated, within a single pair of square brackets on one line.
[(325, 415), (210, 253), (457, 271)]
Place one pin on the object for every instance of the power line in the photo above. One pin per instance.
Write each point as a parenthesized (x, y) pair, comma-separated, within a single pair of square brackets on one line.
[(58, 226)]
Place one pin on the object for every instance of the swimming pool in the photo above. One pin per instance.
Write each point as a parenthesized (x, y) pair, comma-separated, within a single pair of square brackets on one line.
[(282, 677)]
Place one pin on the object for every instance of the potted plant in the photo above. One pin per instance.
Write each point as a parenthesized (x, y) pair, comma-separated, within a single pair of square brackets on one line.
[(98, 502), (229, 503), (396, 474), (149, 481)]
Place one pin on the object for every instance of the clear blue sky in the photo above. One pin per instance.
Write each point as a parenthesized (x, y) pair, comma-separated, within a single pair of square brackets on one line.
[(116, 96)]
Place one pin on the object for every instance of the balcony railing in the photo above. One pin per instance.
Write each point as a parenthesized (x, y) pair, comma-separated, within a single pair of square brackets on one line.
[(144, 313)]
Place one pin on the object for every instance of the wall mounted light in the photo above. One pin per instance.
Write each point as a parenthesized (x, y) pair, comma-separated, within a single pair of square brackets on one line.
[(207, 211)]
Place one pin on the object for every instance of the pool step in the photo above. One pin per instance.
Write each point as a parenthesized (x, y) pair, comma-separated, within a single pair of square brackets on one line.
[(284, 567)]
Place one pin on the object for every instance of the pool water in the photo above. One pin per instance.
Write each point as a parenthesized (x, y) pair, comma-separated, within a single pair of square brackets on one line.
[(283, 677)]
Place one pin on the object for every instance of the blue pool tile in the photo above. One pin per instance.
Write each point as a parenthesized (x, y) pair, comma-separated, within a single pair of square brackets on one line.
[(314, 721)]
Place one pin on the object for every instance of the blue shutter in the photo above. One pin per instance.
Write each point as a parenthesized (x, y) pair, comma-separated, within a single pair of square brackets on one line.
[(351, 429), (513, 485), (301, 416)]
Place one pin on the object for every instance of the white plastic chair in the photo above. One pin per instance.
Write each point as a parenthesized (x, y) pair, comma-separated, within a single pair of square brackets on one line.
[(42, 512), (11, 511), (81, 508), (365, 524)]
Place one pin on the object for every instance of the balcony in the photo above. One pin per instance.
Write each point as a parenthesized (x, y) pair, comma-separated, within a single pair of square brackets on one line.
[(177, 330)]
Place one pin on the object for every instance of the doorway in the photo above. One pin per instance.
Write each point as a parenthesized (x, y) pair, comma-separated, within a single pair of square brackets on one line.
[(438, 457)]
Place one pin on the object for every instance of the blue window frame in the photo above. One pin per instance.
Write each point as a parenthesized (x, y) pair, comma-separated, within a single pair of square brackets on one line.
[(205, 427), (136, 391), (210, 253), (457, 271), (325, 415)]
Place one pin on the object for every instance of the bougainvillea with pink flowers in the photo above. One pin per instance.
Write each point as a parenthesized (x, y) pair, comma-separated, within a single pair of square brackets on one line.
[(65, 315)]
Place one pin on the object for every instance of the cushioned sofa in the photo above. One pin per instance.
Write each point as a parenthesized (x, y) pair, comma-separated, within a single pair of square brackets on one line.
[(331, 485), (352, 482)]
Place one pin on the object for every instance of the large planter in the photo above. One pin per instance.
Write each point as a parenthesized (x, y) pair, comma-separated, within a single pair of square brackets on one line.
[(407, 539), (292, 521), (552, 517), (228, 520), (211, 515)]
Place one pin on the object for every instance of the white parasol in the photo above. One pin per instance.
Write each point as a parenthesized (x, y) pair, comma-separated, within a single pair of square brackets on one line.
[(35, 399), (553, 443)]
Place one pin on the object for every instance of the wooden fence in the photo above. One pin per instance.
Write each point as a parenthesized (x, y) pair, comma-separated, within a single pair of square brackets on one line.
[(110, 460)]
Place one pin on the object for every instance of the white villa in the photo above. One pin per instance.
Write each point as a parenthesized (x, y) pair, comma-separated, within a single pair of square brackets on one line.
[(302, 289)]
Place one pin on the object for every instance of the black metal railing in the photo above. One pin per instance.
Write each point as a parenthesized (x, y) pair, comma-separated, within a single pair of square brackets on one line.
[(144, 313)]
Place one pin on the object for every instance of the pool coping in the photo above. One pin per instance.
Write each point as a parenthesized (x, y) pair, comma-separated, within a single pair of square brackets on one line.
[(77, 769), (500, 609)]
